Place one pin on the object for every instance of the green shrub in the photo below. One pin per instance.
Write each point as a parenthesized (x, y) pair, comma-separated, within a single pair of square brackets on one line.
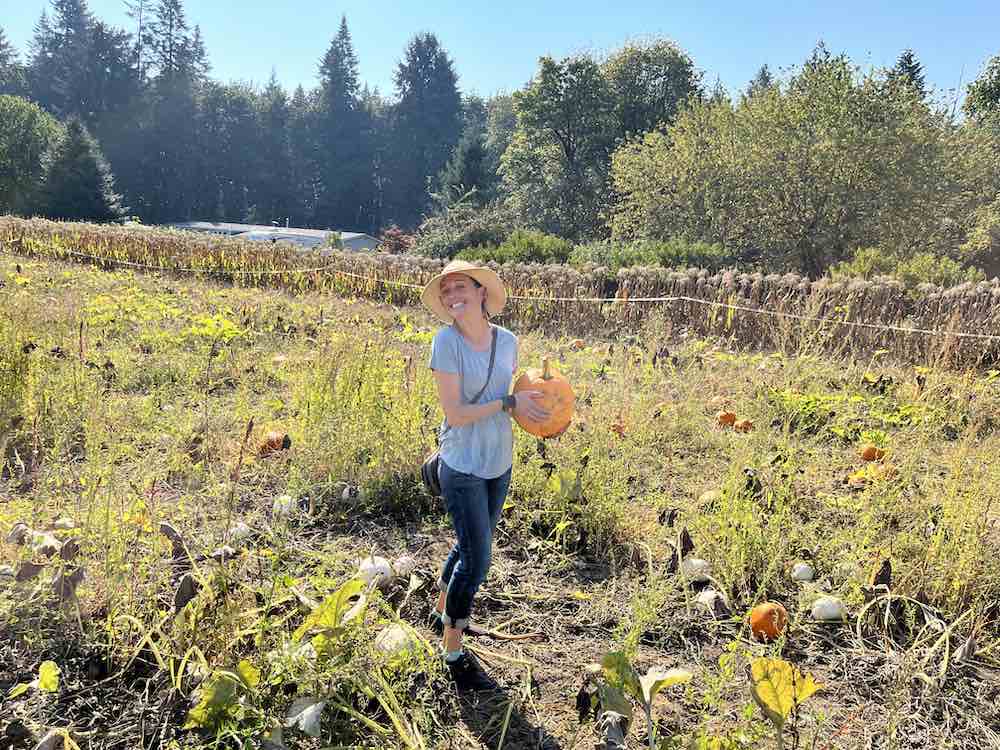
[(919, 268), (462, 226), (523, 246), (675, 252)]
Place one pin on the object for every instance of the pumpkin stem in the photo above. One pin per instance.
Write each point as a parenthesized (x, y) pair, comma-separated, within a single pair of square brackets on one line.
[(546, 371)]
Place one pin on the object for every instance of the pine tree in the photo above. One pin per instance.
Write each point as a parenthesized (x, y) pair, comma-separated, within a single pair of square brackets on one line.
[(8, 55), (345, 157), (468, 169), (79, 185), (908, 70), (274, 187), (12, 80), (59, 64), (426, 126), (761, 82)]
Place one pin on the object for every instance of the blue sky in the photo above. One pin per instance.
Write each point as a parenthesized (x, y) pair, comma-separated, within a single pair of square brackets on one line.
[(495, 45)]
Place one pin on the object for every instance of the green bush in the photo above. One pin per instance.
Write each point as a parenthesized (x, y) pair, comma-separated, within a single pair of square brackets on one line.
[(523, 246), (462, 226), (919, 268), (668, 253)]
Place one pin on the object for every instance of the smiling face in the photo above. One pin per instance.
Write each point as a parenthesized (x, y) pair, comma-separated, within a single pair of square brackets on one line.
[(462, 297)]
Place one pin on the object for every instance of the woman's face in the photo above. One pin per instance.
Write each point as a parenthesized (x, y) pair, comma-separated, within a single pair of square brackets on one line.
[(461, 297)]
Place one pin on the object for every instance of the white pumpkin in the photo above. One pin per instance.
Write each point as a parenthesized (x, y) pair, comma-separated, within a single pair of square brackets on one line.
[(375, 569), (803, 572), (829, 609), (712, 601), (696, 569), (397, 639)]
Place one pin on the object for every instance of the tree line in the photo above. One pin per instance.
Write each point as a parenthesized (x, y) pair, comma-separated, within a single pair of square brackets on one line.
[(808, 166), (183, 146)]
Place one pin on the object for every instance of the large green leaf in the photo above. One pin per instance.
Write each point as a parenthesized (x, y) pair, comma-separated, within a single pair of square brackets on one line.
[(329, 614), (48, 677), (620, 674), (656, 680), (216, 699), (778, 687), (248, 673), (613, 699)]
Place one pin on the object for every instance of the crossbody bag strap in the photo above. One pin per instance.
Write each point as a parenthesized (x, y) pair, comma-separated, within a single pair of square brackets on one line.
[(489, 374)]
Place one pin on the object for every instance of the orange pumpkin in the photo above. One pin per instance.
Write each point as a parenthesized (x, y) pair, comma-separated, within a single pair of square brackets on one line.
[(273, 442), (726, 418), (872, 453), (577, 344), (768, 621), (744, 425), (557, 398)]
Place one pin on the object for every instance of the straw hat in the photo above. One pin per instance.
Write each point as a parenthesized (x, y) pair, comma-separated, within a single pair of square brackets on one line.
[(496, 293)]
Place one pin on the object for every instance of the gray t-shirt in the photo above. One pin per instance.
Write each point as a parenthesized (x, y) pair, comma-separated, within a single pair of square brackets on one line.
[(484, 448)]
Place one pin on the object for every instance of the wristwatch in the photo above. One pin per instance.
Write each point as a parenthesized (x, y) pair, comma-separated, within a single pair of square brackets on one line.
[(509, 402)]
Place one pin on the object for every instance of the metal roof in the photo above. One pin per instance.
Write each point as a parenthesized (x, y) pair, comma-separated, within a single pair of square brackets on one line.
[(231, 228)]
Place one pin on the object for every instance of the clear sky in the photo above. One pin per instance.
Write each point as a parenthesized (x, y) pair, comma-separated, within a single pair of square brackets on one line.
[(495, 45)]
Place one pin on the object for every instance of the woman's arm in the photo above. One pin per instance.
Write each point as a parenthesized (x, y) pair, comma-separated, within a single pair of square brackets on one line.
[(457, 413)]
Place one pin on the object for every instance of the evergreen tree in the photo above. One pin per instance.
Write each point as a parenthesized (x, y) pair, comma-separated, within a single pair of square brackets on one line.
[(79, 185), (303, 163), (345, 169), (427, 123), (12, 80), (468, 169), (274, 189), (60, 59), (908, 70), (761, 82)]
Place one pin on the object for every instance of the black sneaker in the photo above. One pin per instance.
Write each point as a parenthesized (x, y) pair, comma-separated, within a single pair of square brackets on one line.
[(468, 674)]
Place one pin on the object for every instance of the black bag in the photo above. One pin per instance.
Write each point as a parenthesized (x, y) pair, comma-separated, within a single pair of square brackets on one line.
[(431, 466)]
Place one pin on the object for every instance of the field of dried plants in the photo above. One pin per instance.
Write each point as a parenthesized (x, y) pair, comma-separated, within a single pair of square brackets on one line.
[(193, 468)]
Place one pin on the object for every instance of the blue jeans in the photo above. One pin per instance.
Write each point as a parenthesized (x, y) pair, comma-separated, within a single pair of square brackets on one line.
[(474, 505)]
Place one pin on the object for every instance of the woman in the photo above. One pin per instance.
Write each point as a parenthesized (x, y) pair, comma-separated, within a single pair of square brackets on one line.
[(476, 439)]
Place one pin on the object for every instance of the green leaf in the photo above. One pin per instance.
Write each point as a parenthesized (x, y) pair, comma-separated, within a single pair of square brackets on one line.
[(216, 697), (328, 615), (620, 674), (248, 673), (778, 687), (613, 699), (48, 677), (18, 690), (656, 680)]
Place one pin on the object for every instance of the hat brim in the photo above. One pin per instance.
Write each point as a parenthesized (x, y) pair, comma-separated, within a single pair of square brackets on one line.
[(496, 293)]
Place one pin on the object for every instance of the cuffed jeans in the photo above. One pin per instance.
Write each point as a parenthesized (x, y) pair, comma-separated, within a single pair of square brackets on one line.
[(474, 505)]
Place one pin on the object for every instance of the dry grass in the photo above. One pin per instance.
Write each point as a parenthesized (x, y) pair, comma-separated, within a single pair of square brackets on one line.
[(138, 417)]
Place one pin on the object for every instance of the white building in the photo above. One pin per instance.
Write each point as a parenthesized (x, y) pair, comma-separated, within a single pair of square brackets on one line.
[(308, 238)]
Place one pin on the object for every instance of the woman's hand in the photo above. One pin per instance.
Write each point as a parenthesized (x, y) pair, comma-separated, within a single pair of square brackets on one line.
[(528, 404)]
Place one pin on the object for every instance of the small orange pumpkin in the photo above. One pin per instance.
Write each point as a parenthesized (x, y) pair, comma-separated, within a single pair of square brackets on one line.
[(768, 621), (744, 425), (577, 344), (872, 453), (557, 398), (726, 418), (273, 442)]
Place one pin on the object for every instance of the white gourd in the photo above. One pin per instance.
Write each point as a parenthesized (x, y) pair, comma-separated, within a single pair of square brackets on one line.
[(695, 569), (803, 572), (829, 609), (376, 569)]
